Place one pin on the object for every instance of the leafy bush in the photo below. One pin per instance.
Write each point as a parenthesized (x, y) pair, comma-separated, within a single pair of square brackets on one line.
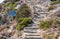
[(20, 27), (26, 21), (12, 6), (7, 4), (45, 24), (23, 22), (23, 12)]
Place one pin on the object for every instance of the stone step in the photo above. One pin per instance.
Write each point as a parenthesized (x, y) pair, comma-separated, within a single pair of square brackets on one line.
[(33, 27), (31, 31), (33, 37), (31, 34)]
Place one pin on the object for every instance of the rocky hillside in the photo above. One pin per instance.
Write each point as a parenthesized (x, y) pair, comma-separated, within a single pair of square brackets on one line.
[(30, 19)]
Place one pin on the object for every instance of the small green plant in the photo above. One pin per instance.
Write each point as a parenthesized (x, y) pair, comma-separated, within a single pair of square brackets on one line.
[(12, 6), (6, 4), (23, 23), (20, 27), (45, 24)]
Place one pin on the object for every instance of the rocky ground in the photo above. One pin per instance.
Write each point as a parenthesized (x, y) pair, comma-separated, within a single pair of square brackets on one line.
[(33, 31)]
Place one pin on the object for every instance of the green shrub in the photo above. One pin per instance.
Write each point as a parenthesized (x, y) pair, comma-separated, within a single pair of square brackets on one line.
[(23, 12), (45, 24), (6, 4), (58, 0), (26, 21), (12, 6), (20, 27), (23, 23)]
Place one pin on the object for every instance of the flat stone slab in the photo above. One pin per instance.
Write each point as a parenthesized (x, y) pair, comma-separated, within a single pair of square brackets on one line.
[(34, 37)]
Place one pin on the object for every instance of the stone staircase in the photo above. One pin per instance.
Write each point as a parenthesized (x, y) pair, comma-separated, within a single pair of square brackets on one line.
[(40, 16), (31, 32)]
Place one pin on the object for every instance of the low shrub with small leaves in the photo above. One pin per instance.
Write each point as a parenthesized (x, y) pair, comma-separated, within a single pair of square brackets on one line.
[(23, 23)]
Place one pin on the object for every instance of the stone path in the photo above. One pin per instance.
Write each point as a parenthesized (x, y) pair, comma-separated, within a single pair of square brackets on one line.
[(32, 31)]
